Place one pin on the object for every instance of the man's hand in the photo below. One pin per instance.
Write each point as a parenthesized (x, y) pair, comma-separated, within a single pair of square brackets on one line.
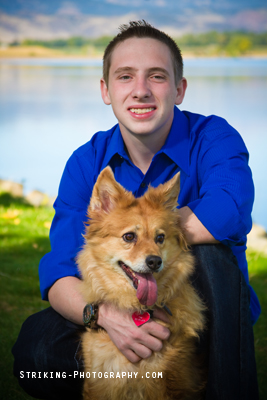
[(134, 342)]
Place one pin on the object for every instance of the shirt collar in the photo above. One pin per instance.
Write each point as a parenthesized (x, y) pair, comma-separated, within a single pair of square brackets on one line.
[(115, 146), (176, 146)]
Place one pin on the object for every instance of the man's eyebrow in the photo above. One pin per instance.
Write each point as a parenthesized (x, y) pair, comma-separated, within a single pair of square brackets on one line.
[(150, 70), (124, 69)]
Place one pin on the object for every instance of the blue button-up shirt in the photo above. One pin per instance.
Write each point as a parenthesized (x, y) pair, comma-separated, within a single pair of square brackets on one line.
[(216, 184)]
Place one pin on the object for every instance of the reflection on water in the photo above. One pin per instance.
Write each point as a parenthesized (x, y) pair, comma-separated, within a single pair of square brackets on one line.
[(50, 107)]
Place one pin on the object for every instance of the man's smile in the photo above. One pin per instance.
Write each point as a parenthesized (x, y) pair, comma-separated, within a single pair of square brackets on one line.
[(142, 110)]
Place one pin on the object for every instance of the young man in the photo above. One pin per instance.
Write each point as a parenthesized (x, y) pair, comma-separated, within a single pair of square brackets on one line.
[(143, 81)]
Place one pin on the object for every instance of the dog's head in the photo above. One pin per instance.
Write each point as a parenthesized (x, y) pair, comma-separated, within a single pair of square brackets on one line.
[(133, 241)]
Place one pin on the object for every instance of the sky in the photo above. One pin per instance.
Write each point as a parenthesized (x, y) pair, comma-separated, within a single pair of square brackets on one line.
[(121, 7), (20, 19)]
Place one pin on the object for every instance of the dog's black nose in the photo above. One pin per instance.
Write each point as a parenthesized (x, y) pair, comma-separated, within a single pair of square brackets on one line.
[(153, 262)]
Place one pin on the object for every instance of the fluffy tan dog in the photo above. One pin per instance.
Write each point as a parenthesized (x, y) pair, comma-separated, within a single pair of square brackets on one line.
[(135, 257)]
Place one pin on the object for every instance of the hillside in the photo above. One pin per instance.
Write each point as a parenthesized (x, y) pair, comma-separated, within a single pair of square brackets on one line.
[(36, 19)]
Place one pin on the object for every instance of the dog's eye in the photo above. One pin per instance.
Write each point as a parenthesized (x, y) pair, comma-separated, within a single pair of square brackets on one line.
[(160, 238), (129, 237)]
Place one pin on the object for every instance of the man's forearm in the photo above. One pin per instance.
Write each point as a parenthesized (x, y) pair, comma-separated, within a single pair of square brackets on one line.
[(134, 342), (65, 297), (195, 231)]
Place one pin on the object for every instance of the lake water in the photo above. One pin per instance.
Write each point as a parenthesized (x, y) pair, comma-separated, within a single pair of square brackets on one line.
[(50, 107)]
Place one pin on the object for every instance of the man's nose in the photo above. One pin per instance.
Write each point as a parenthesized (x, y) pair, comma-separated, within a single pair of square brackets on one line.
[(141, 88)]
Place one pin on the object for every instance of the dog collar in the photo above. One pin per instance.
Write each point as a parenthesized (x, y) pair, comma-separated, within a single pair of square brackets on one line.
[(167, 309)]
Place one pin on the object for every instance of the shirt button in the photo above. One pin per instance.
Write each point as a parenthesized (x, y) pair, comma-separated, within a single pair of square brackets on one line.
[(143, 184)]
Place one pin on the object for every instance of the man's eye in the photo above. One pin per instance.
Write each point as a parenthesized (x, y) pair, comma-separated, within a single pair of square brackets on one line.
[(129, 237), (160, 238), (158, 77), (125, 78)]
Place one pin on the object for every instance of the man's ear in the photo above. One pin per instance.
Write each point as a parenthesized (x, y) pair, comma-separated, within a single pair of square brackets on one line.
[(106, 193), (181, 89), (104, 92)]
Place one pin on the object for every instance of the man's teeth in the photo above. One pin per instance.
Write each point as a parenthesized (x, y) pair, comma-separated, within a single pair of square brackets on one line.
[(141, 110)]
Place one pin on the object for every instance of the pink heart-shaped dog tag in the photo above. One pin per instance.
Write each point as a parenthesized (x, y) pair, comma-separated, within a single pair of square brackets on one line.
[(140, 319)]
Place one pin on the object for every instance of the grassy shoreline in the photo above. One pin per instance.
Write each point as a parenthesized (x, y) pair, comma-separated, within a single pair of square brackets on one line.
[(42, 52), (24, 231)]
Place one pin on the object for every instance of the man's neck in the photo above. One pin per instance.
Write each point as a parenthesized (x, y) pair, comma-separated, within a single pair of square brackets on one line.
[(141, 149)]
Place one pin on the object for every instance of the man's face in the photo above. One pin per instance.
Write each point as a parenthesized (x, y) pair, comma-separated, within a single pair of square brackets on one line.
[(141, 88)]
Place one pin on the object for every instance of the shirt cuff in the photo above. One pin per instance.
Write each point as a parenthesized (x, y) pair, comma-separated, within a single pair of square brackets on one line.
[(217, 211), (46, 280)]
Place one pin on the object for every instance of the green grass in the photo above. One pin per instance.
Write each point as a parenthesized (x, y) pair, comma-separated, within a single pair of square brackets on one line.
[(24, 240), (258, 279)]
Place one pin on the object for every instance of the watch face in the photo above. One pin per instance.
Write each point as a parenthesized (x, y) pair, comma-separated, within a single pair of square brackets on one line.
[(88, 312)]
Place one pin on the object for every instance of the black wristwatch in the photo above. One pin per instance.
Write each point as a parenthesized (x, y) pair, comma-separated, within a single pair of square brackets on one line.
[(90, 315)]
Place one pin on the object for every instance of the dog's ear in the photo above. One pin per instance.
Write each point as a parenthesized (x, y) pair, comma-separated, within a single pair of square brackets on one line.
[(166, 193), (171, 190), (106, 193)]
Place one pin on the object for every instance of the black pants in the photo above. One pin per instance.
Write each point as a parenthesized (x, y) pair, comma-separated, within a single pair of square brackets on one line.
[(48, 343)]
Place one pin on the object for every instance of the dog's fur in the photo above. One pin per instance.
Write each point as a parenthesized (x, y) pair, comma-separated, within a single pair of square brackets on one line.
[(113, 211)]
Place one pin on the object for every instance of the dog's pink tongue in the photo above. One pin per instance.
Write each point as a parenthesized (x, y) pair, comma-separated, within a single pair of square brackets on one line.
[(147, 290)]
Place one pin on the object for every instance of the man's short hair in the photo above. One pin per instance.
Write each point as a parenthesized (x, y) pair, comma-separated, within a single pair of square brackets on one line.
[(142, 29)]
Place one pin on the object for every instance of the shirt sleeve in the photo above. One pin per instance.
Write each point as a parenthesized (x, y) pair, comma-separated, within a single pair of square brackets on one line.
[(226, 190), (68, 225)]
